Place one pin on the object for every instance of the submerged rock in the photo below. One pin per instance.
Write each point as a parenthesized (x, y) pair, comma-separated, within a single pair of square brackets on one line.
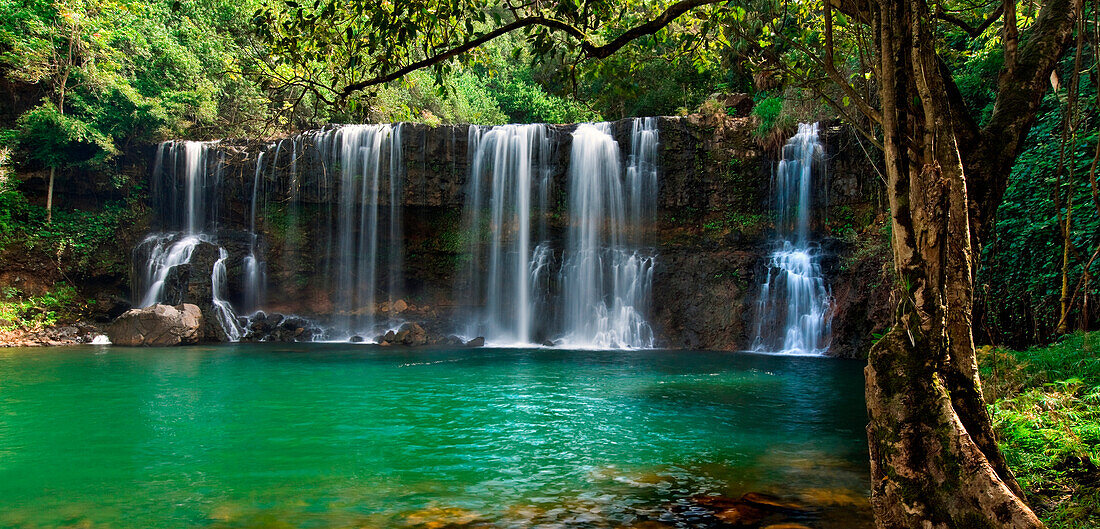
[(442, 518), (773, 503), (753, 510), (158, 325)]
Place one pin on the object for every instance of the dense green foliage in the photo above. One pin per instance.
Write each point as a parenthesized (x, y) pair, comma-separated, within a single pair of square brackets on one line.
[(36, 312), (131, 70), (1021, 277), (1046, 409)]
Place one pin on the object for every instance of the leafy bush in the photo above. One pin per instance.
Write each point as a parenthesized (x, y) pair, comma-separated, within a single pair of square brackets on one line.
[(772, 117), (58, 140), (36, 312), (13, 204), (463, 98), (525, 101)]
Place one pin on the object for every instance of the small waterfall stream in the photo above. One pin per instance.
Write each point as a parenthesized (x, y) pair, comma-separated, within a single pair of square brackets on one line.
[(223, 310), (606, 280), (184, 231), (793, 312), (506, 164), (255, 277)]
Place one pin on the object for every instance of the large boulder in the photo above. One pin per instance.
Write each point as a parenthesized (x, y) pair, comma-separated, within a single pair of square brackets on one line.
[(158, 325)]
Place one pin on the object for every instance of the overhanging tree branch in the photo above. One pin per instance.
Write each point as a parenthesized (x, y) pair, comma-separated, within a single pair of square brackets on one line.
[(1020, 87), (973, 31), (830, 69), (588, 48)]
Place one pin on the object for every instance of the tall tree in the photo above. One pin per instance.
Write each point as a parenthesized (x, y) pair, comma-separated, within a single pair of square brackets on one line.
[(934, 457), (935, 461)]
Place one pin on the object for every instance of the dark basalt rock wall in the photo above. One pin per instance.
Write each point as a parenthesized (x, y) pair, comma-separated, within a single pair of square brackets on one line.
[(712, 237)]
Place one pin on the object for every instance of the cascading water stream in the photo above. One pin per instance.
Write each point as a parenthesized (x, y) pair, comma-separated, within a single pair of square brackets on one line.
[(397, 251), (175, 247), (255, 276), (223, 310), (793, 313), (606, 276), (641, 180), (168, 252), (363, 153), (504, 163)]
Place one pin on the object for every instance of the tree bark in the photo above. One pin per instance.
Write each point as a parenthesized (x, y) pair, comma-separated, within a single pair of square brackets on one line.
[(934, 457)]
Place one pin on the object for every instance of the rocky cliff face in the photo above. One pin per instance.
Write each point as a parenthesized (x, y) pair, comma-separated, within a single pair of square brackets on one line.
[(714, 219)]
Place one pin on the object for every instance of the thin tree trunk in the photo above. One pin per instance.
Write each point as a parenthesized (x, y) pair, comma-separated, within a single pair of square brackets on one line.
[(49, 197), (74, 34), (1067, 166), (1065, 301)]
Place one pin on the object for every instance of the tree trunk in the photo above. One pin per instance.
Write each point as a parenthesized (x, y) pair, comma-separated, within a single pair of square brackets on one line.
[(934, 457), (49, 197)]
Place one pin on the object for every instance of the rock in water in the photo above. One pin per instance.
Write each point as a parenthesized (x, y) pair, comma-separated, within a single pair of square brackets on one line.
[(158, 325), (412, 334)]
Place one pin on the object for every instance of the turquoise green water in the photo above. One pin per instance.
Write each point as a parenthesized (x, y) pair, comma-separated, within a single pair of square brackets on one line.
[(319, 436)]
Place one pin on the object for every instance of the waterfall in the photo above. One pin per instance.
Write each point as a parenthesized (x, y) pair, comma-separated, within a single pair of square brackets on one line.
[(793, 312), (597, 294), (255, 276), (607, 277), (397, 250), (183, 231), (641, 180), (222, 309), (506, 161), (180, 179), (166, 254), (361, 152), (558, 244)]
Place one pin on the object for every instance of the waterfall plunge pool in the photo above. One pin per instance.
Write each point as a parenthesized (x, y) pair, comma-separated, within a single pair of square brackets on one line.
[(332, 435)]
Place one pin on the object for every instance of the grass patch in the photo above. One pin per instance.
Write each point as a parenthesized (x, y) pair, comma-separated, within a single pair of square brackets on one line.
[(1046, 410)]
